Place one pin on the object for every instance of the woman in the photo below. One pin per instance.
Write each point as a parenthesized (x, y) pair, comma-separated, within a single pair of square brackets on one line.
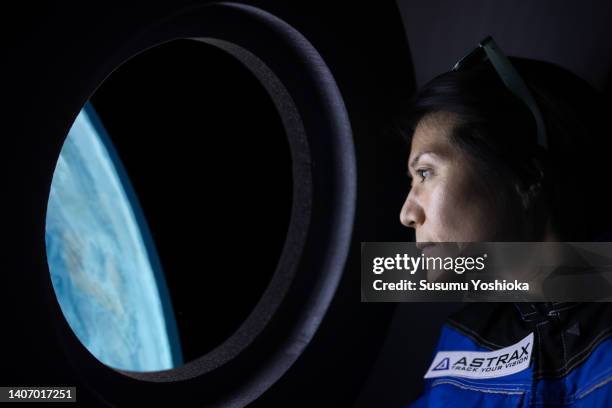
[(512, 151)]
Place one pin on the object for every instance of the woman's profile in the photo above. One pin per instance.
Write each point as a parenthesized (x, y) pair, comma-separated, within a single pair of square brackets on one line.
[(512, 150)]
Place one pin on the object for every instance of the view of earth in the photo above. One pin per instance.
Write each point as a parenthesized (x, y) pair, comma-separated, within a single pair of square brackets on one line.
[(103, 263)]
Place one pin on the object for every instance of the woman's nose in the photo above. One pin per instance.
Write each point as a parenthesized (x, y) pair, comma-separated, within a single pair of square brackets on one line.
[(412, 214)]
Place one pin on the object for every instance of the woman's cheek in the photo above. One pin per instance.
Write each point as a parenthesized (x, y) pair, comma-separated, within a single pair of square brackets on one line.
[(443, 214), (456, 212)]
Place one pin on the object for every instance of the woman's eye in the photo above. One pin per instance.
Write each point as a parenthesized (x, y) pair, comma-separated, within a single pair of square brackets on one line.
[(424, 173)]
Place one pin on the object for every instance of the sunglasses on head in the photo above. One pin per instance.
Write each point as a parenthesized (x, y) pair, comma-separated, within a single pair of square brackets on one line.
[(488, 50)]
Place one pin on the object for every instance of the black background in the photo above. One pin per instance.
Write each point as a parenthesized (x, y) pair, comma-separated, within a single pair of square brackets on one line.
[(207, 156)]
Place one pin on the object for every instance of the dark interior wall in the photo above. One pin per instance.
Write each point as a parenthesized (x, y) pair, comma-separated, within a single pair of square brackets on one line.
[(574, 35)]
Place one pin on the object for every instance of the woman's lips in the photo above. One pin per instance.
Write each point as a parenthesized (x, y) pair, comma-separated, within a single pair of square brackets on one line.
[(425, 247)]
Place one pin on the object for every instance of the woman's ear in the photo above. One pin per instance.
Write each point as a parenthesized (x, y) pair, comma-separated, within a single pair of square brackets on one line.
[(531, 190), (534, 191), (526, 195)]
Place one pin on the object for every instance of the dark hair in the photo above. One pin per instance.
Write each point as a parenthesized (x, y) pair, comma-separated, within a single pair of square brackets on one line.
[(499, 131)]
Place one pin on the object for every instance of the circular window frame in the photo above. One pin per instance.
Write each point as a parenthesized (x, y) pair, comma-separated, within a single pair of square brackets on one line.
[(323, 210)]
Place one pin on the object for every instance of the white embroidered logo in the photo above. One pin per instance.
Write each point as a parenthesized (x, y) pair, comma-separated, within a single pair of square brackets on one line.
[(483, 364)]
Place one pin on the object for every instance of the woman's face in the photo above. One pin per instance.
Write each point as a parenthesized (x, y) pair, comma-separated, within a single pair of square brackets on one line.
[(447, 201)]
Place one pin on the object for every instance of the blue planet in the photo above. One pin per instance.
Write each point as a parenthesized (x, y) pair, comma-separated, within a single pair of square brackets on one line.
[(104, 267)]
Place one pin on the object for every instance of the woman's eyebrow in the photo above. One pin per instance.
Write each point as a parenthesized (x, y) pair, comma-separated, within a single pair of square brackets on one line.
[(418, 157)]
